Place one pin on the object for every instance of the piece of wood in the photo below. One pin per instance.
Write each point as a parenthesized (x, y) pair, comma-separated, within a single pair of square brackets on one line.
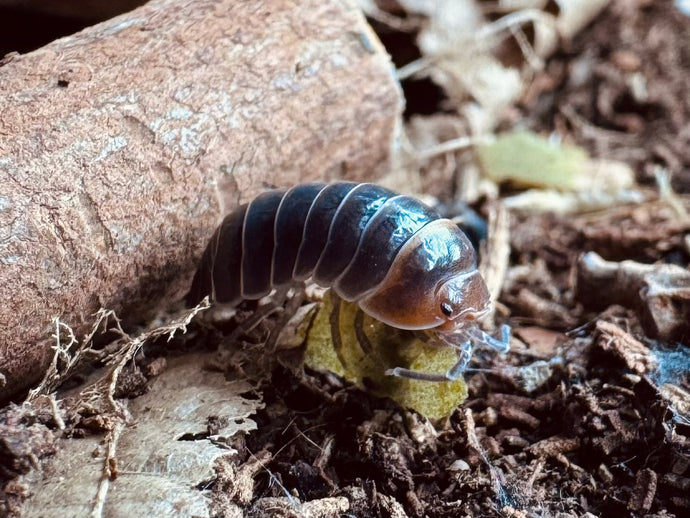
[(122, 146)]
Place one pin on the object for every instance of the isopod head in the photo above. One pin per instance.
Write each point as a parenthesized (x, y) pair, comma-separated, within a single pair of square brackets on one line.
[(462, 299), (432, 284)]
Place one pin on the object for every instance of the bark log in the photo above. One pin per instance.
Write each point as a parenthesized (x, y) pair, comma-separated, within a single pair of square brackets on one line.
[(122, 146)]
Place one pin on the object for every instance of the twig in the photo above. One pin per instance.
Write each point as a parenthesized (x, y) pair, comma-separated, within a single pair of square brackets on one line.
[(57, 415), (413, 68), (453, 145), (108, 474), (494, 264), (666, 193)]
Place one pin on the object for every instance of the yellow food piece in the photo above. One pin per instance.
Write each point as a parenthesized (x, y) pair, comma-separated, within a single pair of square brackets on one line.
[(361, 349)]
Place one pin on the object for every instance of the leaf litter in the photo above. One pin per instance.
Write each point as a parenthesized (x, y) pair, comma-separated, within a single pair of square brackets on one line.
[(150, 455)]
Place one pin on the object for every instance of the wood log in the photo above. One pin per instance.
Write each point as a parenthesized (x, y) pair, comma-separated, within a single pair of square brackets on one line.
[(122, 146)]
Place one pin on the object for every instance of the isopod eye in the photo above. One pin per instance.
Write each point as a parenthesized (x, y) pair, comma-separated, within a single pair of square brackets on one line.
[(446, 309)]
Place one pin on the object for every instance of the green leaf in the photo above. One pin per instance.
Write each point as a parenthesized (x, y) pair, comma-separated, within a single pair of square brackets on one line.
[(527, 159)]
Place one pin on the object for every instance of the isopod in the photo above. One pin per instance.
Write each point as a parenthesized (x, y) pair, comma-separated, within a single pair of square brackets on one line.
[(392, 255)]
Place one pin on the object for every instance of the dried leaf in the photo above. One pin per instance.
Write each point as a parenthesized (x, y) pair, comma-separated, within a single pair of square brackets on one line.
[(567, 178), (461, 49), (527, 159), (156, 465), (575, 14)]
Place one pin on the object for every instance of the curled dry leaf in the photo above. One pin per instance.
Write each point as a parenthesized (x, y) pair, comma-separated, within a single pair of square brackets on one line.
[(463, 51)]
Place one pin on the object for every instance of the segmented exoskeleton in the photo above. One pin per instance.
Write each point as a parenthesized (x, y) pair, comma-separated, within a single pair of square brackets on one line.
[(391, 254)]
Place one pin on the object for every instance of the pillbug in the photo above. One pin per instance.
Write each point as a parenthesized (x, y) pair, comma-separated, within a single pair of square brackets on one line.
[(392, 255)]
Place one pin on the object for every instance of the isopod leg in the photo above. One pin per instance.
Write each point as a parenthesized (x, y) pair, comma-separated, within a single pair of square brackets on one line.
[(463, 342), (291, 308), (501, 344), (402, 372), (334, 321), (464, 356), (262, 313)]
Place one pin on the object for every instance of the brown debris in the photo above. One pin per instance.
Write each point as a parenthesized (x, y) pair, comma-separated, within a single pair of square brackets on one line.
[(367, 501), (519, 417), (660, 293), (543, 342), (155, 367), (682, 483), (624, 346), (22, 446), (554, 446), (643, 493), (531, 289), (235, 484), (542, 311), (292, 508), (24, 442)]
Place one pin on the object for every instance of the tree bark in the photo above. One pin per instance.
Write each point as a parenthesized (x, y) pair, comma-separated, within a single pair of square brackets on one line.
[(121, 147)]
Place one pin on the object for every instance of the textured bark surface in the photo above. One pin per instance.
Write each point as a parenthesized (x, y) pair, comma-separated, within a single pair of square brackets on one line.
[(122, 146)]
